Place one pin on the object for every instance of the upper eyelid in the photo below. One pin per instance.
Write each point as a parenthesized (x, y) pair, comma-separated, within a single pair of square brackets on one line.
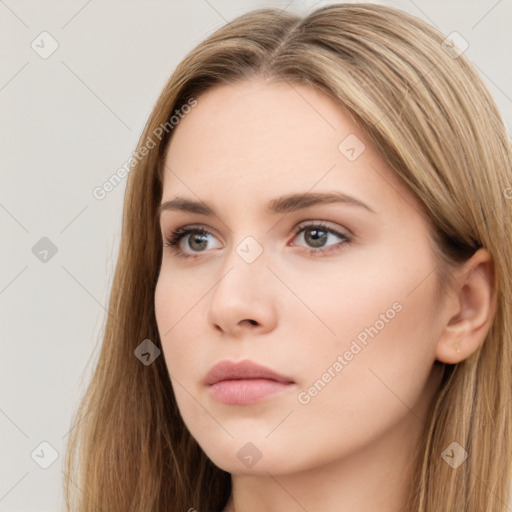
[(326, 224), (338, 231)]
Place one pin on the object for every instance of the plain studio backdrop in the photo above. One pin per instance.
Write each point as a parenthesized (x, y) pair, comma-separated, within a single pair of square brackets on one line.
[(78, 81)]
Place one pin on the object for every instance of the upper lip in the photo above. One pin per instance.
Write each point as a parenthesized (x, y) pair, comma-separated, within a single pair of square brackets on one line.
[(231, 370)]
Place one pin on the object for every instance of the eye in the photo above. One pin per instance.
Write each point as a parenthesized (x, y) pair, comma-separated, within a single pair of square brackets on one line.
[(195, 237), (317, 234)]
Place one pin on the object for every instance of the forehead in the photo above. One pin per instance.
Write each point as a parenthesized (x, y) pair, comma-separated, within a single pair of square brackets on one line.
[(260, 138), (259, 120)]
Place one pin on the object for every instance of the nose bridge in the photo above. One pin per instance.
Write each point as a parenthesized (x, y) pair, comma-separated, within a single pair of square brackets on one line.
[(243, 291), (245, 264)]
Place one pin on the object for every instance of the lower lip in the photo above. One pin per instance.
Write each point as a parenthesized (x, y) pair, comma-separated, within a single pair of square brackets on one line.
[(245, 391)]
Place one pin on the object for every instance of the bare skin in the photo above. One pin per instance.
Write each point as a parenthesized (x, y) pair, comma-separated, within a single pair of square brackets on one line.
[(349, 445)]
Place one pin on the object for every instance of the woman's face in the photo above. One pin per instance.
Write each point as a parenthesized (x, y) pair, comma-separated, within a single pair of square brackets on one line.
[(336, 296)]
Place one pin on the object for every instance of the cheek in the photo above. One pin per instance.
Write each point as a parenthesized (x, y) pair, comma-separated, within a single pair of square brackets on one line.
[(377, 337), (173, 311), (394, 341), (177, 300), (363, 389)]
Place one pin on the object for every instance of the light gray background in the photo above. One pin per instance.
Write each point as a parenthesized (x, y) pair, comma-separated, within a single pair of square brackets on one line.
[(68, 123)]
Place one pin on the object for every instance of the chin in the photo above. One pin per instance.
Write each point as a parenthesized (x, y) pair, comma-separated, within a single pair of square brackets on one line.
[(250, 458)]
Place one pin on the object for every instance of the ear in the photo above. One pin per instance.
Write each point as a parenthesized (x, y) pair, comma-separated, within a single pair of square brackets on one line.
[(470, 309)]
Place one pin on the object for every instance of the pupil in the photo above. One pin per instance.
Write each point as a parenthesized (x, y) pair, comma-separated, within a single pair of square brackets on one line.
[(318, 240), (196, 237)]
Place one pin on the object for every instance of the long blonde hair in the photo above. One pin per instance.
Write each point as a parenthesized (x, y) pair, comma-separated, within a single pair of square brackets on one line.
[(432, 118)]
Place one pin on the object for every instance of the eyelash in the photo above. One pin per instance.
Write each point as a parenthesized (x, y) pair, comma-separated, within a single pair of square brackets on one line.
[(174, 238)]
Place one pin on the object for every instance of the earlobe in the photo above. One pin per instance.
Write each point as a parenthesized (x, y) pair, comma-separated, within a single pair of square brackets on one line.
[(452, 351), (469, 310)]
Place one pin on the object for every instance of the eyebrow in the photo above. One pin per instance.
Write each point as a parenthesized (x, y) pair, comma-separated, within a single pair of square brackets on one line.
[(284, 204)]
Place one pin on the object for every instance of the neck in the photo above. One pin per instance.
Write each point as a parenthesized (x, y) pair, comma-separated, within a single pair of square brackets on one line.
[(377, 479)]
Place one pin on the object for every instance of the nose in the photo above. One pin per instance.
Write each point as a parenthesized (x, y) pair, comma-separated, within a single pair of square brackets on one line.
[(244, 298)]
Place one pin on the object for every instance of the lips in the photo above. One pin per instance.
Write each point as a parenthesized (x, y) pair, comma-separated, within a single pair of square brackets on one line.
[(229, 370), (245, 383)]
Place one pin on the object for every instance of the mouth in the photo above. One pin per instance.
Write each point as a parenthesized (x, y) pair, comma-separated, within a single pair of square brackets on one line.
[(244, 382)]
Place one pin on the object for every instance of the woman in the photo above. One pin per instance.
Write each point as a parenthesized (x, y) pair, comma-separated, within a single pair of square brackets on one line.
[(310, 309)]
